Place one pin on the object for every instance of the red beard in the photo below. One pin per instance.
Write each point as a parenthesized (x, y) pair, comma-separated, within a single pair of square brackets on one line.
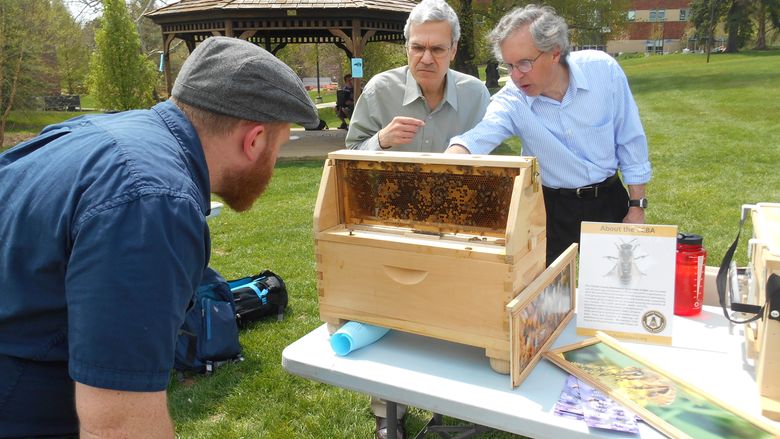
[(240, 189)]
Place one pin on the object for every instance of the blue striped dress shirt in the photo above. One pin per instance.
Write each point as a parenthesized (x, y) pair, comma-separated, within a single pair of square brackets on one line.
[(579, 141)]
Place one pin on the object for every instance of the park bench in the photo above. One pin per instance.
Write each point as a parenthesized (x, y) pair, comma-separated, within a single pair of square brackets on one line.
[(62, 103)]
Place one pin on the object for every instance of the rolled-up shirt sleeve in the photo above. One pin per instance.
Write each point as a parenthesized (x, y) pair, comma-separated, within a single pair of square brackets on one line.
[(630, 139), (364, 126), (496, 126)]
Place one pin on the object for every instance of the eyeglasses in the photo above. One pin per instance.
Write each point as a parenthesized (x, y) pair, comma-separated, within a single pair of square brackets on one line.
[(436, 51), (524, 65)]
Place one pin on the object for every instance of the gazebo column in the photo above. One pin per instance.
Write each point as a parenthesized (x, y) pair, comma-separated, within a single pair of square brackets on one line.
[(354, 46), (357, 51), (167, 40)]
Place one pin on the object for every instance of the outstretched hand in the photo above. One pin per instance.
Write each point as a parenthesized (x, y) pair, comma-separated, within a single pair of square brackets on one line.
[(400, 131)]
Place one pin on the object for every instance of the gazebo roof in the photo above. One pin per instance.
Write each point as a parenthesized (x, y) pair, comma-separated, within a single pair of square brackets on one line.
[(271, 24), (232, 6), (284, 21)]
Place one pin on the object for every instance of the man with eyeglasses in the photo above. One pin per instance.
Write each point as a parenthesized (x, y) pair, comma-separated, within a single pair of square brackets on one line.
[(575, 113), (420, 106)]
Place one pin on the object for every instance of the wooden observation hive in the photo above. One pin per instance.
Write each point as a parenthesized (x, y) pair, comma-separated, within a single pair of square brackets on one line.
[(433, 244)]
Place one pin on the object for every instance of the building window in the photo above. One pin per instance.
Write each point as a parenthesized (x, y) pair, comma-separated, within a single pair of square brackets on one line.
[(654, 46), (683, 15), (657, 15), (631, 15)]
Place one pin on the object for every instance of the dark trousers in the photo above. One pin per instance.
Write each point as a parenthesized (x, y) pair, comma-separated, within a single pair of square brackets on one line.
[(567, 208)]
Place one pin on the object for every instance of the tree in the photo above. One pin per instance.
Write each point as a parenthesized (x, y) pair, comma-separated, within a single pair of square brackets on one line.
[(23, 55), (766, 10), (71, 49), (121, 77), (737, 16), (382, 56), (591, 22), (465, 57), (705, 15), (739, 27)]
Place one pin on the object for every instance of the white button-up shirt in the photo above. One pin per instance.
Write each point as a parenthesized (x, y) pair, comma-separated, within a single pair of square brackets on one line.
[(584, 139)]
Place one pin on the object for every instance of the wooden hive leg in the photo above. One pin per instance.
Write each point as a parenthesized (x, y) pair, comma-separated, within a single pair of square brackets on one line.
[(333, 323), (499, 360)]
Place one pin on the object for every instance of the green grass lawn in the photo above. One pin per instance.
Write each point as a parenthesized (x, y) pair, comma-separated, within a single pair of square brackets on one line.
[(714, 143)]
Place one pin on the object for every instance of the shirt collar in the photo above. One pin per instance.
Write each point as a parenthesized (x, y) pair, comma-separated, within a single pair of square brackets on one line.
[(576, 75), (577, 80), (412, 90), (188, 139)]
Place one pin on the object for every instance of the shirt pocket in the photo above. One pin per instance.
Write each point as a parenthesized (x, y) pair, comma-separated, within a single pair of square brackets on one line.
[(599, 142)]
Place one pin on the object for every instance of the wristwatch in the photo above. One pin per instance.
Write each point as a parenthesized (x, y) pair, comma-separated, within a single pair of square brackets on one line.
[(642, 202)]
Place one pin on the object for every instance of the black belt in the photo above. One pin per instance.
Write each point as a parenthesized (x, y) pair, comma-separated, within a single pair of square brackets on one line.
[(591, 191)]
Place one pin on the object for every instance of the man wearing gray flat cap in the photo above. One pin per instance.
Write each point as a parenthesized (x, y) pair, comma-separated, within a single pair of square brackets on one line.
[(105, 240)]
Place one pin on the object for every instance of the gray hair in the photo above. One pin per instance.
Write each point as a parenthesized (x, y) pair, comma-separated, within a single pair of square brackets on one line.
[(548, 30), (433, 10)]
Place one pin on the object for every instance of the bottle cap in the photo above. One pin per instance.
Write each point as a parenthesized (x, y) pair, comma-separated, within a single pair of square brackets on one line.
[(689, 239)]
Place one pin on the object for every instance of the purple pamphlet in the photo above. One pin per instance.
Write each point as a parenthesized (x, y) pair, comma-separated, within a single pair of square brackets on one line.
[(578, 400)]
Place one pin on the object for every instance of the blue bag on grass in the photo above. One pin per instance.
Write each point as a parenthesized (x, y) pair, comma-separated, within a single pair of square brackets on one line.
[(209, 336), (259, 296)]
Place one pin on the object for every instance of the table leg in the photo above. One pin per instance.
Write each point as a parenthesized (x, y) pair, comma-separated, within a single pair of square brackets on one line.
[(392, 420), (435, 426)]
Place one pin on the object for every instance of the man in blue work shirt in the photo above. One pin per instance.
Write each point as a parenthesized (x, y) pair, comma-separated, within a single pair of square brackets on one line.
[(575, 113), (105, 240)]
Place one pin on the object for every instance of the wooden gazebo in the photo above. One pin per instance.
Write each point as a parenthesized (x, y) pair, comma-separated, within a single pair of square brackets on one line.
[(272, 25)]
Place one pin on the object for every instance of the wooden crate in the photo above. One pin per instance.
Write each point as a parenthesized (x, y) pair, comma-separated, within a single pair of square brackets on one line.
[(763, 336), (433, 244)]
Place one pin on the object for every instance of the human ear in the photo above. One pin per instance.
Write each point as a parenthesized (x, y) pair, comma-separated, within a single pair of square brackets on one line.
[(254, 141)]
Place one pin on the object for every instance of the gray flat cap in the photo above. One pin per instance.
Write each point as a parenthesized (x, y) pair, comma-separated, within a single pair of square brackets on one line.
[(237, 78)]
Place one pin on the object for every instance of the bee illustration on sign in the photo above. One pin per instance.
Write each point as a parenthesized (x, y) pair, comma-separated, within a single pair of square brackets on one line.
[(625, 270)]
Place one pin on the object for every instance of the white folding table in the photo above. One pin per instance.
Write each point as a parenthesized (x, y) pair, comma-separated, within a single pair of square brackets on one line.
[(456, 380)]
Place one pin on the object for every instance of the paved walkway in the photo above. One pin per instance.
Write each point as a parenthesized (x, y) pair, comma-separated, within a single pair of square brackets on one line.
[(313, 145)]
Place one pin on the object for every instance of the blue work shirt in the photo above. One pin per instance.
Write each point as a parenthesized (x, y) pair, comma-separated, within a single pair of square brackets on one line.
[(104, 241), (582, 140)]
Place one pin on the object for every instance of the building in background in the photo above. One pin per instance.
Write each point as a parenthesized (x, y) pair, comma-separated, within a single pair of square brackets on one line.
[(654, 27)]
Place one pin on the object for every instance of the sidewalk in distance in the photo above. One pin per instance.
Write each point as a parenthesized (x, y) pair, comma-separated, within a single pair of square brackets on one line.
[(312, 144)]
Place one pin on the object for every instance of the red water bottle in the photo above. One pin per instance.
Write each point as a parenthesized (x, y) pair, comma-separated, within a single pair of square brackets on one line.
[(689, 276)]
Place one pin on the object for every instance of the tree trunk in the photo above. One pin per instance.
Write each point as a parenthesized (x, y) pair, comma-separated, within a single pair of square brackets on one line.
[(491, 74), (464, 58), (761, 31), (732, 26), (11, 96)]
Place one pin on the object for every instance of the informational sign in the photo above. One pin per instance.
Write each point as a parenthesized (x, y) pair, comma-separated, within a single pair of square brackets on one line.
[(357, 67), (626, 281)]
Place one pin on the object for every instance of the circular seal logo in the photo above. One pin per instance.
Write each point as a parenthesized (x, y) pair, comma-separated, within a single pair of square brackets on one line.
[(654, 322)]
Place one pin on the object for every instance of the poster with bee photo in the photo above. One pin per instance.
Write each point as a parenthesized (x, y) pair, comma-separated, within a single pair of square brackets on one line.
[(667, 402), (626, 281)]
